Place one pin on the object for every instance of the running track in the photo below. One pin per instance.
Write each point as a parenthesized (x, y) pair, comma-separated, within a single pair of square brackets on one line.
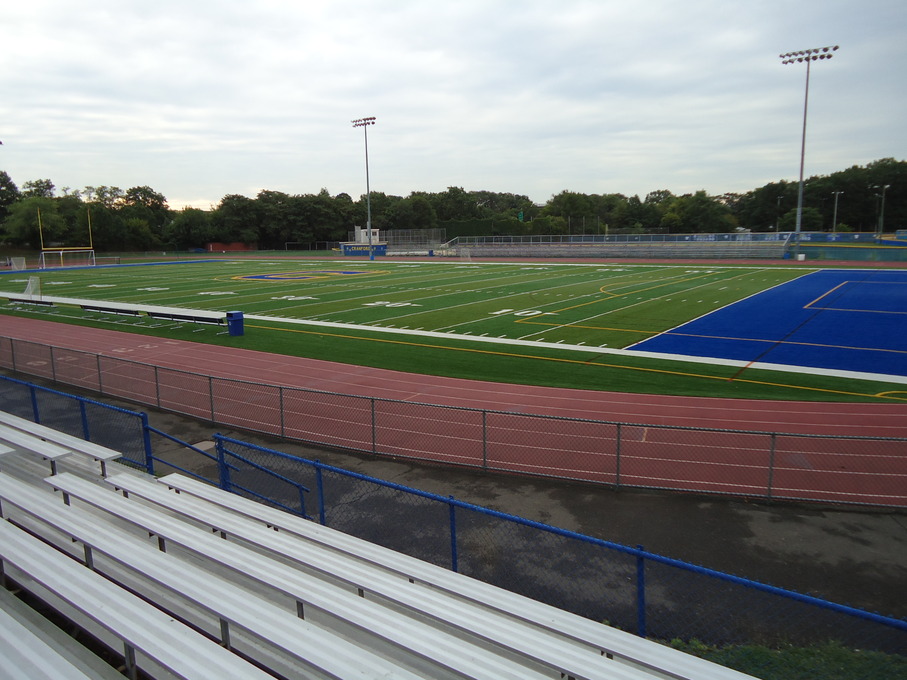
[(877, 420)]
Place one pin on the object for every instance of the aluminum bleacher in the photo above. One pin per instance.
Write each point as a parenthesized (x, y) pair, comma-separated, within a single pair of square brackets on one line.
[(188, 581), (655, 249)]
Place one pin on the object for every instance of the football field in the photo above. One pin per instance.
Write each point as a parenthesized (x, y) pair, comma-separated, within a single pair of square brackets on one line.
[(582, 305), (734, 316)]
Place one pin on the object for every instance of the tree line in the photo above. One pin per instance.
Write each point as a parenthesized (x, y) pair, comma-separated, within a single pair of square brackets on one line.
[(137, 219)]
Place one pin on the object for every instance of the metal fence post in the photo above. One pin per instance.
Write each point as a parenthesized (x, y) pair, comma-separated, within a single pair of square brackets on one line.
[(771, 466), (53, 365), (617, 452), (283, 428), (319, 484), (36, 413), (146, 439), (100, 374), (454, 559), (211, 396), (86, 432), (484, 441), (374, 426), (157, 387), (223, 469), (640, 593)]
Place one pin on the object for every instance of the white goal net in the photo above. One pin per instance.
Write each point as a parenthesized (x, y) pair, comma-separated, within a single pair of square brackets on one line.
[(33, 289), (66, 258)]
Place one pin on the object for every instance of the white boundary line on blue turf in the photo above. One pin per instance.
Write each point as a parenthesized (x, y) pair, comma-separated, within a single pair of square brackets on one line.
[(852, 375)]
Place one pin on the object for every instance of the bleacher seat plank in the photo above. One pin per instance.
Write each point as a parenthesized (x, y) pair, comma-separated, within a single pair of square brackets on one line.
[(94, 451), (33, 648), (316, 649), (621, 645), (471, 615), (34, 445), (140, 625), (449, 653)]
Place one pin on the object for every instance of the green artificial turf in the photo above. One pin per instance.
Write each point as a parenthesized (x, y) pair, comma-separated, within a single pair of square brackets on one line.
[(437, 304)]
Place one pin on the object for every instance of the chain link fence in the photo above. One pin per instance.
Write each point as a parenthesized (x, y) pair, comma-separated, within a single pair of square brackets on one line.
[(630, 588), (789, 466)]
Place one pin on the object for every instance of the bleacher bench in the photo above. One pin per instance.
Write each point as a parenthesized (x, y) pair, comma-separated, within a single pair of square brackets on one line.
[(626, 647), (34, 648), (317, 651), (450, 600), (33, 445), (96, 452), (141, 627), (450, 633)]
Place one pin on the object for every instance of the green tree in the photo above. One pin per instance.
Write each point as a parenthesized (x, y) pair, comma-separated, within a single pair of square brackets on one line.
[(701, 213), (236, 218), (811, 220), (9, 194), (38, 188), (635, 216), (138, 235), (109, 197), (21, 225), (189, 228)]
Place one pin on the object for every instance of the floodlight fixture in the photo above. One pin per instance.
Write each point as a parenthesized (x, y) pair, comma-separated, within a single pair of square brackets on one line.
[(799, 57), (364, 123)]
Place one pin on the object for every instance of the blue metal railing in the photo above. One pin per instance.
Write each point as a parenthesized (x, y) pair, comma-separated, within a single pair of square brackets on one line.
[(650, 585)]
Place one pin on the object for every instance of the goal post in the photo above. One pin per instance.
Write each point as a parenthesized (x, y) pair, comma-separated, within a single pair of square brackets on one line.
[(73, 254), (51, 258)]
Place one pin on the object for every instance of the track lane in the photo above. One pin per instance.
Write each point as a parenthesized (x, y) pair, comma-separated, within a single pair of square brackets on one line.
[(857, 419)]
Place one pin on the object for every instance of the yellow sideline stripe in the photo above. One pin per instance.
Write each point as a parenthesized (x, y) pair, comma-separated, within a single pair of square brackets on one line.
[(882, 395)]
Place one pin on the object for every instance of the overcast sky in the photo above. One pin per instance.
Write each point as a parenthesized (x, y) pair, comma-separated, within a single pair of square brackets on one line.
[(199, 99)]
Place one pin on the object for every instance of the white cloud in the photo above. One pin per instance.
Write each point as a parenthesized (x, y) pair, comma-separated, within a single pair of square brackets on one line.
[(202, 99)]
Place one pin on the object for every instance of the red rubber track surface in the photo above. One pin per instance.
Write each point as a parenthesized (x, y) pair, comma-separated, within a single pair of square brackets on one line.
[(842, 419)]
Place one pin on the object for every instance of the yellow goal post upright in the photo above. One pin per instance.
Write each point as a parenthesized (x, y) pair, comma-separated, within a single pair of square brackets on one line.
[(65, 256)]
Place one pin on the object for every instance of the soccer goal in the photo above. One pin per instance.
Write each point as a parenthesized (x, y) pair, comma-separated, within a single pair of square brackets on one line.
[(17, 264), (33, 289), (66, 257)]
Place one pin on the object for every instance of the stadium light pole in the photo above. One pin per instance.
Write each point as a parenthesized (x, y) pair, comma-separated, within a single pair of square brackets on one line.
[(882, 210), (834, 220), (808, 56), (364, 123)]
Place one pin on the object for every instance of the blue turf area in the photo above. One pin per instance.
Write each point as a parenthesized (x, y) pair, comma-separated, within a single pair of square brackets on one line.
[(852, 320)]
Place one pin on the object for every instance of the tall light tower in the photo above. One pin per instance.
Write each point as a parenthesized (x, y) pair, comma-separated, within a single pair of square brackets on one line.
[(834, 220), (808, 56), (364, 123), (882, 210)]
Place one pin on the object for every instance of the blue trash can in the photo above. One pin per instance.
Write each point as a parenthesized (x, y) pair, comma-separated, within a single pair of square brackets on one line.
[(235, 323)]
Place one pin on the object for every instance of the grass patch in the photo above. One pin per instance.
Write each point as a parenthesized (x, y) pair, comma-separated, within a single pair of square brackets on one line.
[(829, 661)]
